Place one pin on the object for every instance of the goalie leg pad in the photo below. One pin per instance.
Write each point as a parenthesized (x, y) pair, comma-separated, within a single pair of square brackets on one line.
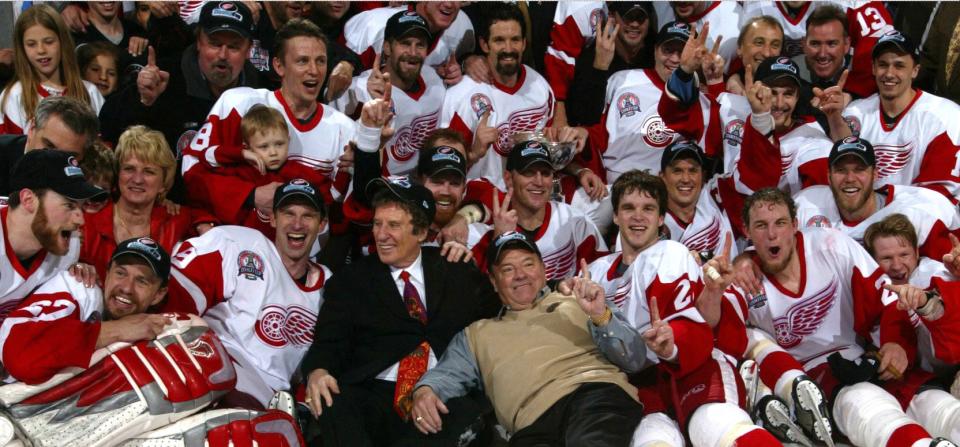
[(726, 425), (868, 415), (657, 430), (937, 411)]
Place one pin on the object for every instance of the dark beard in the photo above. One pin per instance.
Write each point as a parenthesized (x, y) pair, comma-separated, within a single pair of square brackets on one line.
[(48, 237), (508, 70), (410, 78)]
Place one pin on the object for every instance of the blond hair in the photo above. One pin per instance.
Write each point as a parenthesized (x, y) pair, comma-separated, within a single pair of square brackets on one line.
[(261, 118), (894, 225), (148, 146), (24, 72)]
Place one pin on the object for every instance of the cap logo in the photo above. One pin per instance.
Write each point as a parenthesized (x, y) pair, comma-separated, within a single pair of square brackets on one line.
[(853, 145), (146, 246), (679, 28), (250, 265), (510, 236), (783, 64), (400, 180), (227, 10), (299, 185), (411, 16), (439, 156), (73, 168), (892, 35), (533, 150)]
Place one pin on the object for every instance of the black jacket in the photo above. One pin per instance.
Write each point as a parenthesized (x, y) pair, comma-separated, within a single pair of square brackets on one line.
[(363, 326), (11, 149)]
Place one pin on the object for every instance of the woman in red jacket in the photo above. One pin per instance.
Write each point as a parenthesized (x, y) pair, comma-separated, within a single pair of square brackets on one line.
[(145, 169)]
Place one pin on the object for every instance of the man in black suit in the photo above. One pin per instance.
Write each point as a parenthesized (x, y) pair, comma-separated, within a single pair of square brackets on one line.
[(384, 321)]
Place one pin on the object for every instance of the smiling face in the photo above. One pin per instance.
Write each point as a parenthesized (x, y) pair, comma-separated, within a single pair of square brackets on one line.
[(439, 15), (667, 58), (397, 243), (447, 188), (683, 10), (504, 48), (633, 29), (102, 71), (785, 96), (851, 182), (271, 146), (518, 277), (773, 233), (106, 10), (405, 57), (824, 49), (130, 288), (302, 70), (761, 41), (639, 219), (54, 221), (297, 225), (140, 183), (531, 187), (333, 10), (894, 74), (684, 180), (42, 47), (221, 56), (896, 257)]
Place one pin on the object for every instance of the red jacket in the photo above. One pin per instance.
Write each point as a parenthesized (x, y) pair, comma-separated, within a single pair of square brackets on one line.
[(98, 240)]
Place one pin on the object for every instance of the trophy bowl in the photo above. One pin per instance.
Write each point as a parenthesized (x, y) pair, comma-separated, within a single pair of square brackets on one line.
[(561, 153)]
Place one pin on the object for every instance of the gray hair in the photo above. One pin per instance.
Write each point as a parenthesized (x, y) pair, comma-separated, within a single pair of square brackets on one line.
[(77, 115)]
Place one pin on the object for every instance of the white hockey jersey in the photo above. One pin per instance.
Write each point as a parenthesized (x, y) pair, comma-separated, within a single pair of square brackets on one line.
[(708, 229), (17, 280), (574, 26), (796, 159), (931, 213), (920, 148), (364, 35), (14, 119), (565, 237), (415, 116), (840, 296), (235, 279), (51, 329), (526, 106), (616, 286), (723, 17)]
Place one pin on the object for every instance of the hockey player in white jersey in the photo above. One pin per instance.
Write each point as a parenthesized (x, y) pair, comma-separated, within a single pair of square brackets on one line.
[(562, 234), (417, 94), (451, 31), (651, 278), (822, 295), (916, 134), (318, 133), (39, 225), (850, 203), (518, 100), (261, 297)]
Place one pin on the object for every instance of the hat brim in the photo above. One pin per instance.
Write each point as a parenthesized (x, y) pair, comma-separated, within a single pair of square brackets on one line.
[(209, 30), (517, 244), (890, 45), (774, 77), (151, 262), (416, 29), (309, 197), (527, 165), (446, 168), (686, 152), (81, 191), (851, 153)]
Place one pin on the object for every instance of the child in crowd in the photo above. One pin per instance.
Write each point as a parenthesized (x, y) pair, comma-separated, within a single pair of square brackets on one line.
[(98, 64), (99, 167), (45, 64)]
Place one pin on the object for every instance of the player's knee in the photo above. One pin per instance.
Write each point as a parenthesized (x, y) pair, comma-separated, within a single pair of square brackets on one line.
[(937, 411), (867, 414), (657, 430), (719, 425)]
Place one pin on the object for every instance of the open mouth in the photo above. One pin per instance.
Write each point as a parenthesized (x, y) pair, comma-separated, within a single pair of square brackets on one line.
[(774, 251), (65, 236), (850, 191), (444, 203), (296, 240), (311, 84)]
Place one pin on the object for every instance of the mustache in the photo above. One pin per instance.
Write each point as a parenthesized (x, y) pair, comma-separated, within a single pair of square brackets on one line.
[(412, 59), (507, 54)]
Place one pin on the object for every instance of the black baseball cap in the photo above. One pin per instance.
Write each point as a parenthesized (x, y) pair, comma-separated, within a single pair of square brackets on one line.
[(405, 22), (680, 149), (148, 250), (53, 169), (855, 146), (777, 67), (226, 16), (896, 40), (677, 30), (298, 188), (507, 241), (637, 10), (528, 153), (405, 189), (439, 159)]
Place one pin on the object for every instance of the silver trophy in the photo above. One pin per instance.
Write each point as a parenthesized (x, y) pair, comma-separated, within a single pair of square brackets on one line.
[(561, 154)]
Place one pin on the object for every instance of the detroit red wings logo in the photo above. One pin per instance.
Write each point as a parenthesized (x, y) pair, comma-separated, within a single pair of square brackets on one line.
[(520, 121), (279, 326), (410, 137), (706, 238), (655, 133), (559, 263), (891, 159), (805, 317)]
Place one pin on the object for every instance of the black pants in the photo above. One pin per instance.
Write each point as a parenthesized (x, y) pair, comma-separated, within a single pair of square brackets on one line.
[(363, 416), (595, 415)]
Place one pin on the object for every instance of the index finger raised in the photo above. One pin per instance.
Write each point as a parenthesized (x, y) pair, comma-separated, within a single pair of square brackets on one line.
[(953, 240), (654, 311), (727, 245), (376, 64), (748, 76), (506, 200), (584, 271), (151, 56), (843, 78)]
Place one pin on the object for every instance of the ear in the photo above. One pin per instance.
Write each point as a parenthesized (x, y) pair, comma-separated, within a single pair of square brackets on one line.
[(159, 296), (484, 46), (916, 71), (660, 220), (273, 218), (29, 200), (492, 281), (277, 66)]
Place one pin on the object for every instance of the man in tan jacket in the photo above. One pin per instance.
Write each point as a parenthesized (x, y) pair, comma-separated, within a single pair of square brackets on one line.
[(537, 361)]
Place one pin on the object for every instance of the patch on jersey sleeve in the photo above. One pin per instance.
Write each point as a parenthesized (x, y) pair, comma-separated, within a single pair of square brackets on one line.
[(251, 265)]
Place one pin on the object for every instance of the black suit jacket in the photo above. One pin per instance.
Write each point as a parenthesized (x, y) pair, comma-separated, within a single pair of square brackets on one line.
[(363, 326)]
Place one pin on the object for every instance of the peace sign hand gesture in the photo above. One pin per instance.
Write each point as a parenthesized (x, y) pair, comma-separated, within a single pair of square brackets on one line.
[(713, 63), (504, 218), (659, 338), (606, 38), (695, 50)]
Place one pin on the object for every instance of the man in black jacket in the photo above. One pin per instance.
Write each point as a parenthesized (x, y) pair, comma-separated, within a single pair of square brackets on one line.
[(385, 320)]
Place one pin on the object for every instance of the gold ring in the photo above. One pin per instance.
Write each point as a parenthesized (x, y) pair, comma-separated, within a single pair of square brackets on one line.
[(308, 400), (419, 419)]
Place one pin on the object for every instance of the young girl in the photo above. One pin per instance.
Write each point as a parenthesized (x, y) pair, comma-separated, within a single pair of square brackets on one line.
[(45, 64), (98, 64)]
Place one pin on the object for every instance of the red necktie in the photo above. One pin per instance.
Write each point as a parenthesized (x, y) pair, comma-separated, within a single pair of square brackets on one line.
[(414, 364)]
